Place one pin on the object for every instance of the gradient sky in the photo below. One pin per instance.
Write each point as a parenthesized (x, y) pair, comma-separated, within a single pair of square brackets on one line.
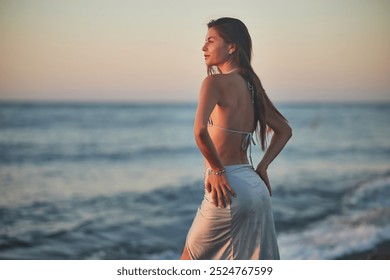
[(151, 50)]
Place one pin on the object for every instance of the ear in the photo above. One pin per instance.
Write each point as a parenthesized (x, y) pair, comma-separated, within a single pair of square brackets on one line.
[(232, 48)]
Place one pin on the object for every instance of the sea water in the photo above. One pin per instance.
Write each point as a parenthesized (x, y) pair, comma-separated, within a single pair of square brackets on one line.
[(123, 181)]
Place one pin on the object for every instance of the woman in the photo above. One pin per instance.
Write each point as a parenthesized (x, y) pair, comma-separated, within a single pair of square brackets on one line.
[(235, 219)]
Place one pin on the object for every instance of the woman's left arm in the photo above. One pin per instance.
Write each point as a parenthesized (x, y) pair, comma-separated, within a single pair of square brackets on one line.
[(282, 132)]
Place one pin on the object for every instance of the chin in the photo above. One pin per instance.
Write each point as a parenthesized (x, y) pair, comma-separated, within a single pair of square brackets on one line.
[(209, 64)]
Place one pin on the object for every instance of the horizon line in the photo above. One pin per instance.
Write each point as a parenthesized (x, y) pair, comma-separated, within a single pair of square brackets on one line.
[(173, 102)]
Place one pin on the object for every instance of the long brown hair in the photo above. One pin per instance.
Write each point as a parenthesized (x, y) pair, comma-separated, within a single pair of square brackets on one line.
[(234, 31)]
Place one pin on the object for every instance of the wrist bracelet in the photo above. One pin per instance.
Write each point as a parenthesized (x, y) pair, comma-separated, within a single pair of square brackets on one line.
[(219, 172)]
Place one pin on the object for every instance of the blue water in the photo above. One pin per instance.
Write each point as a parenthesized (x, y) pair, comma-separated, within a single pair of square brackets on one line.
[(123, 181)]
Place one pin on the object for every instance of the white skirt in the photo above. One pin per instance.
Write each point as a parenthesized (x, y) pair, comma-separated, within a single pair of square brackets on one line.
[(244, 230)]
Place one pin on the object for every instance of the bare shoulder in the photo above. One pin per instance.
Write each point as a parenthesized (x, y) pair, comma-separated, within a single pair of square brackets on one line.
[(213, 82)]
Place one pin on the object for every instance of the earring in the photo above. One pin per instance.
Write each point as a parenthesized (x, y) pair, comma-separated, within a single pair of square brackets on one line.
[(230, 52)]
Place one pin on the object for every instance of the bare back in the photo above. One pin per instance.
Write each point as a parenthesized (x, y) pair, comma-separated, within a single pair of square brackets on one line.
[(234, 111)]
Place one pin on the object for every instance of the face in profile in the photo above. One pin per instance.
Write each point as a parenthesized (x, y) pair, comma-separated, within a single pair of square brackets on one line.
[(216, 50)]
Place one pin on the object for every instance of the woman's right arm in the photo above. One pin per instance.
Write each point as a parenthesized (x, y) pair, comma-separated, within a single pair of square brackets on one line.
[(282, 132), (216, 184)]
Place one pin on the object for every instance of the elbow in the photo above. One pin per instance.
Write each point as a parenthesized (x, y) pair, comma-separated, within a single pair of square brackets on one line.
[(200, 133), (289, 132), (285, 132)]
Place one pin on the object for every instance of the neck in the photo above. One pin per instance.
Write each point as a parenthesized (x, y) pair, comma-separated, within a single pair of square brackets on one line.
[(230, 71), (228, 67)]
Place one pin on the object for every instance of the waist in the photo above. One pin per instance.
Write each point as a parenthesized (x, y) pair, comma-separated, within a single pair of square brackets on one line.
[(234, 167)]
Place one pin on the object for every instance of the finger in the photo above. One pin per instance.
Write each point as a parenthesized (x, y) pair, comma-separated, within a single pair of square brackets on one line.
[(265, 179), (226, 195), (267, 184), (269, 189), (207, 186), (214, 197), (231, 190), (220, 199)]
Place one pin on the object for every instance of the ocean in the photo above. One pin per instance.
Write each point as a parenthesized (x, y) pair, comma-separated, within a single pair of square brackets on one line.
[(124, 181)]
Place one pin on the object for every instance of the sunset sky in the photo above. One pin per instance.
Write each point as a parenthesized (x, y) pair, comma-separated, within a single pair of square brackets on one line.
[(335, 50)]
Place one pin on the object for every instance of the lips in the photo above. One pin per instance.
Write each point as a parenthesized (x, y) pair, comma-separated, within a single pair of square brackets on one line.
[(206, 56)]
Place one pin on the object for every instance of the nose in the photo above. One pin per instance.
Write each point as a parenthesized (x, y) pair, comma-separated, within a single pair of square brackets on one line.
[(204, 48)]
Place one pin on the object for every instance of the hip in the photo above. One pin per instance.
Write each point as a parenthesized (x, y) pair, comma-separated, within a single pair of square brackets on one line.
[(246, 183)]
